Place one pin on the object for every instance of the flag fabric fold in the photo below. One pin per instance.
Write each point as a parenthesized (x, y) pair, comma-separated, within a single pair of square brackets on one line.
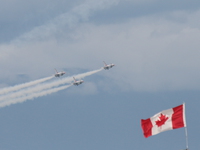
[(170, 119)]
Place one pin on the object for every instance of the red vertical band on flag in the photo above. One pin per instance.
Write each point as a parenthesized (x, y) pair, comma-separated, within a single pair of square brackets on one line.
[(178, 117), (146, 127)]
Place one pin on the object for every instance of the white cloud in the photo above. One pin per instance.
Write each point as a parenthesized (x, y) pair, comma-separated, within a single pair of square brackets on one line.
[(67, 20), (151, 53)]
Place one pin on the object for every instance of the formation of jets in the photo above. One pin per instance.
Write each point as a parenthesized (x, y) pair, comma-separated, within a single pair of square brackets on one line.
[(78, 82)]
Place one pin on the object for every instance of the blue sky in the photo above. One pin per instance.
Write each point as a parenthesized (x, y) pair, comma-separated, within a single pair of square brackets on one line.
[(154, 45)]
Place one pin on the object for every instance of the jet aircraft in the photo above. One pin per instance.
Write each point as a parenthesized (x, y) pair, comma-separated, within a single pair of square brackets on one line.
[(77, 82), (58, 74), (106, 67)]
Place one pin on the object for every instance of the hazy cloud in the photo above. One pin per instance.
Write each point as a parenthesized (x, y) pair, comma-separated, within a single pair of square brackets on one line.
[(151, 52)]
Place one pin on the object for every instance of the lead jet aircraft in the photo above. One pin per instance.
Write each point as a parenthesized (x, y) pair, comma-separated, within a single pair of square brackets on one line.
[(106, 67), (77, 82), (58, 74)]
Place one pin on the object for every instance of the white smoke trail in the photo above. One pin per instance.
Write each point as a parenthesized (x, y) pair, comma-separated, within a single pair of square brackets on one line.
[(38, 88), (82, 75), (24, 85), (32, 96)]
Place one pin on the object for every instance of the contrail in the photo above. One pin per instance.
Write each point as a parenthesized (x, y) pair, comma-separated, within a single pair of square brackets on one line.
[(87, 73), (24, 85), (32, 96), (26, 92)]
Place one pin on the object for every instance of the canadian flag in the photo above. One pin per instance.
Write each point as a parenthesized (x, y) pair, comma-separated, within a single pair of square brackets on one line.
[(165, 120)]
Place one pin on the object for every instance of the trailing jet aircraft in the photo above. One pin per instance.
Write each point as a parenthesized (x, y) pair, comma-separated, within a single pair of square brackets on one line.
[(77, 82), (106, 67), (58, 74)]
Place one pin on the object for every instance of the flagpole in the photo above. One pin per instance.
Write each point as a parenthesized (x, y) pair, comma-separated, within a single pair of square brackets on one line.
[(186, 136), (186, 132)]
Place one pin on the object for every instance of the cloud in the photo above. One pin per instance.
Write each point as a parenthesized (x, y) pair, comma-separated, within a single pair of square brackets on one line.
[(151, 53), (66, 20), (21, 16), (37, 20)]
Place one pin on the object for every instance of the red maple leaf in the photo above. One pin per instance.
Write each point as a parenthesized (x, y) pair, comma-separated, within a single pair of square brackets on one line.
[(162, 120)]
